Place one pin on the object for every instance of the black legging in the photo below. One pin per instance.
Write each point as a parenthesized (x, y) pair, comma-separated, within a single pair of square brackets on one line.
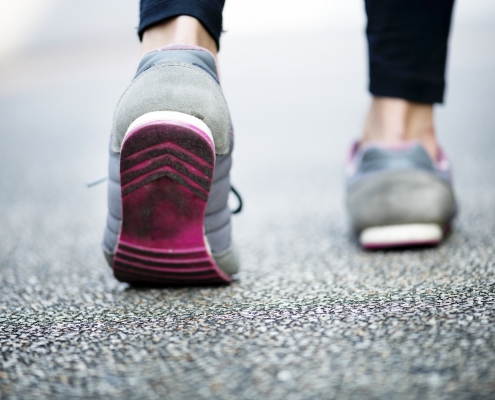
[(407, 41)]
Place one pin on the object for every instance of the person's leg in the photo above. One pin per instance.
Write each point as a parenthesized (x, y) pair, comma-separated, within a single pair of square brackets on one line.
[(395, 121), (182, 29), (170, 154), (154, 13), (399, 187), (407, 56)]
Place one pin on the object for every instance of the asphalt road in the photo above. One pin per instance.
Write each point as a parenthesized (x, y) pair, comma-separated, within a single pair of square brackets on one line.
[(312, 316)]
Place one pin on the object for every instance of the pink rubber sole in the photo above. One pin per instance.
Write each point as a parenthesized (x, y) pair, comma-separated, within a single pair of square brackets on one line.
[(378, 246), (166, 170)]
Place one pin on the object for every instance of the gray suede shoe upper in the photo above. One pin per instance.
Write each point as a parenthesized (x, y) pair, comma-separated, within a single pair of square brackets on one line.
[(398, 185), (175, 79), (378, 158)]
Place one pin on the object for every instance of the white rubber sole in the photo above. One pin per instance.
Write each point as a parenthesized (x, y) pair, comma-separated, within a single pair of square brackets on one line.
[(169, 116), (400, 235)]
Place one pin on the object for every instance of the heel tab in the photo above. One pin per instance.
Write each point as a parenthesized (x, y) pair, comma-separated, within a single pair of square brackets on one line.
[(194, 55)]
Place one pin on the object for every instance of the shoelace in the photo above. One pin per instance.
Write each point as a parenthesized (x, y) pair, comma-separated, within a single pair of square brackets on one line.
[(239, 198), (102, 179), (95, 182)]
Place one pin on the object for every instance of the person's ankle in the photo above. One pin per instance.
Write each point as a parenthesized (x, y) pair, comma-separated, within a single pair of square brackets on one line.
[(178, 30), (395, 121)]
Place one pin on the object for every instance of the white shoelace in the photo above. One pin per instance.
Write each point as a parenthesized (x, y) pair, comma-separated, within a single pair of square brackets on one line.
[(95, 182)]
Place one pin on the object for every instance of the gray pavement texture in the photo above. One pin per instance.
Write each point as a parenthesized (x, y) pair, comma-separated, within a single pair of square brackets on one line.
[(312, 316)]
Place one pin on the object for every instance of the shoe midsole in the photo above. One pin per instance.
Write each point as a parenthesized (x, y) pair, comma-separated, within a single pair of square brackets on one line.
[(169, 116), (401, 234)]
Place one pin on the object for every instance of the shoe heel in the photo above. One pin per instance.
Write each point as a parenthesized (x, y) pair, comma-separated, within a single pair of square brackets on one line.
[(405, 235), (166, 170)]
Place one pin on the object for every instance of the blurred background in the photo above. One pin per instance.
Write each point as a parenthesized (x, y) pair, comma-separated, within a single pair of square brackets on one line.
[(64, 64)]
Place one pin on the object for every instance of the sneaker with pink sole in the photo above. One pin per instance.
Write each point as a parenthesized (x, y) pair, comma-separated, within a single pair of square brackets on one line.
[(397, 196), (170, 158)]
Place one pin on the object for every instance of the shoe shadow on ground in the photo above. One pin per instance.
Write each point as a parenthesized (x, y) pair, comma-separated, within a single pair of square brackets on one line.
[(145, 286)]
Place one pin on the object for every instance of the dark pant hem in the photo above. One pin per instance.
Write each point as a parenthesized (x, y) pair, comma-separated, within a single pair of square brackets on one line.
[(208, 13), (407, 89)]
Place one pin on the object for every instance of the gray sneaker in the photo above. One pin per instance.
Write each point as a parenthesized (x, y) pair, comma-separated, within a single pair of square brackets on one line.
[(398, 196), (170, 157)]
